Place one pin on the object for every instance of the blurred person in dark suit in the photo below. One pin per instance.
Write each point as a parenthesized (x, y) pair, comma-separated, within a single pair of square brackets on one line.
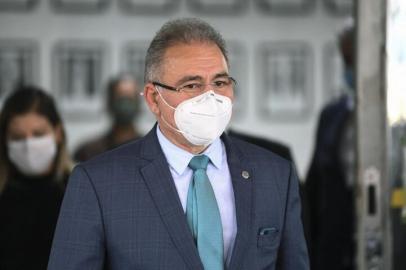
[(330, 180), (122, 104), (34, 167)]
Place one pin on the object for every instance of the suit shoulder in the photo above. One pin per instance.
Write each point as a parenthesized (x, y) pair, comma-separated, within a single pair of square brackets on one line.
[(337, 104), (123, 153), (276, 147)]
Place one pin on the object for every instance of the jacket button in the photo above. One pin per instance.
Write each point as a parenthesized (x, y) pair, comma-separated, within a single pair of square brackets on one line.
[(245, 174)]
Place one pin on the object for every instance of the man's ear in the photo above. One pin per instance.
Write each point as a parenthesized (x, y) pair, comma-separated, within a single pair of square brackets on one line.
[(150, 96)]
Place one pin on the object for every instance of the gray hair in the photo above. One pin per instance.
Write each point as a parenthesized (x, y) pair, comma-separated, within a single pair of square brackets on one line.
[(179, 31)]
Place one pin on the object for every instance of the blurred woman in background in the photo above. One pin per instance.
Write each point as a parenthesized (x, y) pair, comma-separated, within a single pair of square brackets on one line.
[(34, 167)]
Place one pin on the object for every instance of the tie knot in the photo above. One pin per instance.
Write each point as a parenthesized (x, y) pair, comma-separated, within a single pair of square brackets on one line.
[(199, 162)]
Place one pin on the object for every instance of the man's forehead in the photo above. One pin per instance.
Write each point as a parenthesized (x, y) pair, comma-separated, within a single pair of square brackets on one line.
[(197, 53), (192, 49)]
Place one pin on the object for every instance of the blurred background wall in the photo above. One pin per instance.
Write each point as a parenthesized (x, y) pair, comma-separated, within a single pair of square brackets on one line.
[(283, 55)]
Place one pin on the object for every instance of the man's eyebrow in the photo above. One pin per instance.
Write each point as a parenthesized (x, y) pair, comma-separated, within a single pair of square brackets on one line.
[(220, 75), (199, 78), (189, 78)]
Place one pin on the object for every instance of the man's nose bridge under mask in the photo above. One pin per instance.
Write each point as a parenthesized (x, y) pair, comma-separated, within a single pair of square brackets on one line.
[(208, 87)]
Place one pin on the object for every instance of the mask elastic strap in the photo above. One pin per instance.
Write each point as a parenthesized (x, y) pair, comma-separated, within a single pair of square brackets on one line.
[(163, 119), (167, 104)]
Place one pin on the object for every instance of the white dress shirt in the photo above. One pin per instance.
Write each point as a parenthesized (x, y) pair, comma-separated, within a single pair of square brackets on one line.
[(220, 179)]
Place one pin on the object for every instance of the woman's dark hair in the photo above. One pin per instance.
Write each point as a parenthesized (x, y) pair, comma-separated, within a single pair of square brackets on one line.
[(26, 99)]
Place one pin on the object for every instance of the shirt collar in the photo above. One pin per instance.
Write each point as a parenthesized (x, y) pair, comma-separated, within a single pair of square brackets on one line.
[(179, 159)]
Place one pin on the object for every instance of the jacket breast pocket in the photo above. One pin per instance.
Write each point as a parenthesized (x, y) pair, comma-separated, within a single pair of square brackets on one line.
[(268, 238)]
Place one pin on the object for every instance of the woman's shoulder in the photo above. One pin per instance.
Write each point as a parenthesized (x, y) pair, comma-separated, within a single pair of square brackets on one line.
[(29, 189)]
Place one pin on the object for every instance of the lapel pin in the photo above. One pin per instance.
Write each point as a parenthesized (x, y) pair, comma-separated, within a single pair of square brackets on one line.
[(245, 174)]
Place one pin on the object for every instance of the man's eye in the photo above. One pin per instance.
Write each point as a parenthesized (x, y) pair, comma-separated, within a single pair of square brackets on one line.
[(220, 83), (192, 86)]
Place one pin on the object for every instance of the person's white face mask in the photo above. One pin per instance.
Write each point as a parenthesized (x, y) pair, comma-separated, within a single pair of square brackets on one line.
[(32, 156), (203, 118)]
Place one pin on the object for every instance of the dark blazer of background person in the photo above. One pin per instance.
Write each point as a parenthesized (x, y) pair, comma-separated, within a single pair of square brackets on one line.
[(121, 211), (331, 199)]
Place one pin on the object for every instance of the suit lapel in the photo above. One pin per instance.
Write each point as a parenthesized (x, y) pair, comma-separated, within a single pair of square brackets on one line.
[(163, 191), (242, 184), (159, 181)]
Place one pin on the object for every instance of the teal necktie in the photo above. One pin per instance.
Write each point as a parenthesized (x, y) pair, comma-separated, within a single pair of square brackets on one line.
[(203, 216)]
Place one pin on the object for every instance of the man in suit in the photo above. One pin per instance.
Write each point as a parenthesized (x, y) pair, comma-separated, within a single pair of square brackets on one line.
[(330, 181), (183, 197), (122, 104)]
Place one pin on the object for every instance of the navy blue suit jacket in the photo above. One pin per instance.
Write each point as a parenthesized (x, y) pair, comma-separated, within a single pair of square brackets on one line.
[(121, 211), (331, 200)]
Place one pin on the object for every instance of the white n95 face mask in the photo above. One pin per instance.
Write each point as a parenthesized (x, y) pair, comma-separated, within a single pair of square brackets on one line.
[(32, 156), (202, 119)]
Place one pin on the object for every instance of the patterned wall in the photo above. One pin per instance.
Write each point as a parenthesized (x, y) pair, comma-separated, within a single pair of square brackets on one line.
[(282, 53)]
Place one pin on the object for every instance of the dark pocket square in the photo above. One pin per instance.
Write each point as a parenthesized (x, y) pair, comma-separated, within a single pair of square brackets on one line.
[(267, 237)]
